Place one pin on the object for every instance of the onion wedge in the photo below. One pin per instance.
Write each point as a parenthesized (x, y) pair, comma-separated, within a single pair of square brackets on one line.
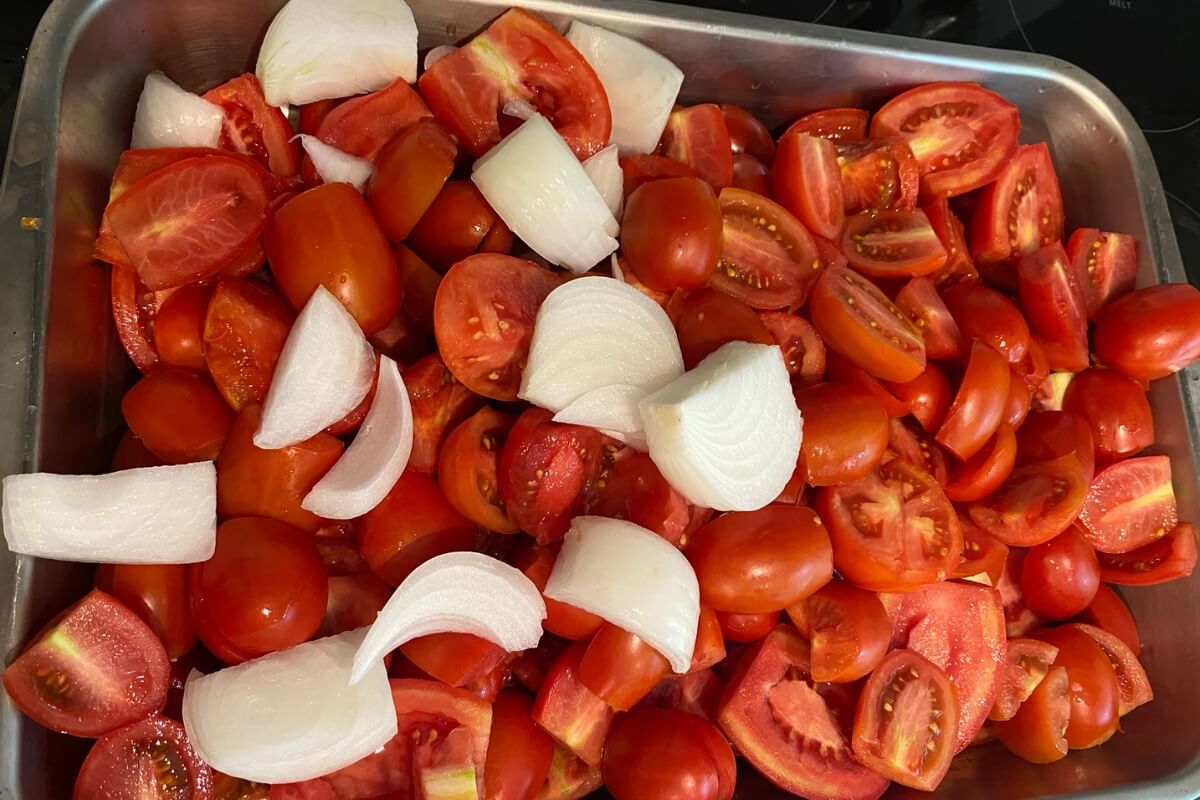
[(633, 578), (171, 116), (604, 168), (149, 515), (334, 166), (373, 463), (456, 592), (323, 373), (292, 715), (726, 435)]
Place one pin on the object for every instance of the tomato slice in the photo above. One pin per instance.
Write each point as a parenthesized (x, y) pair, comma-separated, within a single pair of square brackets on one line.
[(1036, 503), (1026, 662), (807, 182), (768, 259), (411, 171), (920, 300), (631, 487), (1038, 731), (1129, 505), (638, 169), (953, 235), (1105, 263), (1133, 687), (979, 404), (253, 128), (848, 630), (569, 712), (1095, 695), (120, 765), (1022, 211), (521, 57), (698, 136), (858, 321), (959, 627), (906, 721), (95, 668), (777, 720), (1115, 408), (986, 471), (1108, 612), (747, 135), (439, 403), (361, 126), (620, 668), (838, 124), (878, 174), (245, 327), (707, 319), (961, 134), (498, 297), (519, 752), (1052, 298), (803, 350), (468, 465), (1168, 558), (845, 432)]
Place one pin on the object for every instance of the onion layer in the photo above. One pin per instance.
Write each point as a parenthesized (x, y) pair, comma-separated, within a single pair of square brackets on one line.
[(727, 434), (613, 409), (150, 515), (456, 592), (292, 715), (334, 166), (604, 168), (633, 578), (170, 116)]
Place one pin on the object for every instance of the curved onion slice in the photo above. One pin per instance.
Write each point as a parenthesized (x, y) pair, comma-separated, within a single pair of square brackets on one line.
[(641, 84), (727, 434), (372, 464), (292, 715), (318, 49), (633, 578), (171, 116), (604, 169), (540, 190), (436, 54), (594, 332), (613, 410), (149, 515), (456, 592), (323, 373), (334, 166)]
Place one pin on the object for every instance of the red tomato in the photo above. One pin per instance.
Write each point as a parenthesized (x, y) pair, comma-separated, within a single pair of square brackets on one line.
[(498, 297), (245, 327), (751, 174), (664, 754), (744, 628), (848, 630), (411, 525), (632, 488), (961, 134), (179, 327), (696, 693), (467, 469), (892, 244), (1026, 662), (1038, 731), (920, 300), (264, 589), (1108, 612), (1150, 333), (620, 668), (984, 558), (455, 659), (845, 432), (906, 719), (93, 669), (806, 181), (671, 234), (758, 562), (253, 128), (710, 646), (410, 173), (803, 350), (841, 369), (979, 405), (1036, 503), (421, 283), (984, 472), (768, 259), (1052, 298), (271, 483), (1105, 263), (354, 601), (130, 453), (706, 319), (1129, 505), (927, 396), (877, 174), (953, 235), (1168, 558), (909, 442), (1060, 577), (1018, 619), (699, 137), (985, 314), (1092, 685), (158, 594), (639, 169), (1116, 410), (1019, 400), (748, 136), (1133, 686), (892, 530), (314, 113), (562, 619), (546, 469), (519, 752), (439, 403), (146, 760), (777, 720), (362, 125), (134, 308), (1047, 435), (569, 778), (1021, 211), (519, 56), (960, 628), (328, 237), (178, 415), (569, 712), (188, 221), (838, 124), (456, 224)]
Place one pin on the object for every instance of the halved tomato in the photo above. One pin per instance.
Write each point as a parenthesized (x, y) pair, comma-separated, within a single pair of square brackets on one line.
[(520, 57), (961, 134), (1036, 503), (803, 350), (1047, 435), (1019, 400), (253, 128), (838, 124), (639, 169), (892, 244), (877, 174), (927, 396), (467, 470), (707, 319), (987, 315), (698, 136), (1108, 612), (748, 136), (1026, 662), (848, 629), (953, 235), (806, 181), (631, 487), (1105, 263), (412, 170), (1133, 687), (984, 472), (1129, 505), (620, 668), (178, 414), (1151, 332), (569, 712), (457, 223), (908, 441), (1168, 558), (979, 404), (1038, 731), (439, 403), (151, 759), (361, 126), (845, 432), (751, 174), (920, 300), (1052, 298), (1021, 211)]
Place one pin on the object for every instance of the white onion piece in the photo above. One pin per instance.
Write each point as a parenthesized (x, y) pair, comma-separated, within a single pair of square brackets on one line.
[(727, 434), (540, 190), (171, 116), (149, 515), (613, 410), (323, 373), (317, 49), (436, 54), (594, 332), (456, 592), (292, 715), (373, 462), (633, 578), (641, 84), (335, 166), (604, 169), (617, 272), (518, 108)]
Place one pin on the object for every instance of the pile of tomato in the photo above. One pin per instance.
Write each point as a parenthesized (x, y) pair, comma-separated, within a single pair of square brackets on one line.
[(938, 573)]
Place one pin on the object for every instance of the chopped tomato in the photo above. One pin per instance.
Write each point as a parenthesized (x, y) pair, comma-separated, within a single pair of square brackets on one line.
[(696, 693), (665, 754), (908, 441), (744, 628), (253, 128), (1026, 662), (1021, 211), (411, 171), (1047, 435), (354, 600), (1092, 684), (158, 594), (631, 487), (245, 327), (639, 169), (920, 300), (987, 315), (671, 233), (710, 647), (468, 469), (455, 659), (361, 126), (570, 778), (1105, 263), (838, 124), (1038, 731), (803, 350), (120, 764), (748, 136), (751, 174), (927, 397), (979, 404), (1129, 505), (1116, 410), (1052, 298), (1038, 501), (620, 668), (848, 630), (1168, 558), (699, 137), (519, 753), (1108, 612), (953, 235), (179, 327), (806, 181), (840, 368), (562, 619), (984, 558), (892, 244), (178, 414), (877, 174), (421, 283), (134, 310), (456, 224), (1133, 687), (706, 319), (439, 403), (1018, 619), (1151, 332), (130, 453), (986, 471), (845, 432), (569, 712)]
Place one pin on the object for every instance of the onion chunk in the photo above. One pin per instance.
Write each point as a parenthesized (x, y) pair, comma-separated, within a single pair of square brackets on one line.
[(335, 166), (170, 116), (604, 168)]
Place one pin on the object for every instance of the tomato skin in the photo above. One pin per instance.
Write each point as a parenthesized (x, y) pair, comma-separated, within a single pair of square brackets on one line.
[(836, 124), (254, 128), (130, 453), (354, 600), (1038, 501), (979, 405), (1021, 211), (327, 236), (455, 659), (1129, 505), (409, 174), (953, 235), (519, 752), (179, 327), (710, 646), (562, 619), (751, 174), (440, 403), (1047, 435), (745, 628), (454, 226), (805, 180), (1168, 558), (848, 629), (362, 125), (671, 233), (633, 488), (878, 174), (1092, 686), (620, 668), (927, 396), (986, 471), (1133, 686), (840, 368), (1106, 263), (178, 414), (748, 136), (664, 754), (158, 594), (1151, 332), (758, 562), (639, 169), (1115, 408), (1051, 296), (985, 314), (698, 136), (1038, 731), (845, 432), (943, 340), (121, 759), (467, 469), (1108, 612), (133, 309), (245, 328), (985, 560), (1026, 663), (1059, 578), (1019, 400), (706, 319), (569, 712), (803, 350)]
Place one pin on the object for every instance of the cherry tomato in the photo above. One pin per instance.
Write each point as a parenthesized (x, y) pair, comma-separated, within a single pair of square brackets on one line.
[(698, 136), (986, 471), (1168, 558), (519, 752), (455, 659), (562, 619), (1129, 505), (803, 350), (569, 712), (943, 340), (409, 173), (806, 181), (953, 235), (745, 628), (845, 432), (1150, 333), (848, 629), (158, 594), (1106, 263), (1047, 435), (620, 668), (1026, 662), (1092, 685), (979, 405), (639, 169), (120, 763), (671, 234), (1021, 211), (838, 124), (179, 327), (1060, 577), (467, 469), (1116, 410), (178, 414), (664, 754), (1051, 296), (456, 224), (631, 487), (747, 135), (1036, 503), (927, 396), (1108, 612), (254, 128), (1038, 731), (985, 314), (706, 319), (244, 330), (751, 174), (878, 174)]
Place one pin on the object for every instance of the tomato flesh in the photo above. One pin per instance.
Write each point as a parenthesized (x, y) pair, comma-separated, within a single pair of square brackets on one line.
[(1129, 505), (1037, 733), (121, 763), (837, 124), (806, 181), (1026, 663), (877, 174), (569, 712), (1021, 211), (848, 629), (1106, 263), (893, 244), (1036, 503), (664, 754), (699, 137)]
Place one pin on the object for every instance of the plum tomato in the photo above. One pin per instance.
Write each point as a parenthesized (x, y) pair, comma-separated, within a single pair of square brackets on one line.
[(1168, 558), (699, 137), (671, 234), (468, 466), (562, 619), (1115, 408), (1133, 686), (519, 752), (927, 396), (1059, 578), (706, 319), (696, 693), (620, 668), (751, 174), (943, 340), (839, 368), (457, 223), (748, 136), (1129, 505), (837, 124), (987, 315), (148, 758), (1026, 662), (179, 327), (847, 628), (362, 125), (254, 128), (1047, 435), (1021, 211), (421, 283), (1038, 501), (439, 403), (631, 487), (985, 559), (979, 405), (803, 350), (745, 628), (178, 414), (1092, 684), (1051, 295), (984, 472), (1151, 332), (1108, 612), (569, 712), (1106, 264), (455, 659), (1037, 733), (845, 432), (245, 327), (158, 594), (877, 174), (638, 169), (664, 754), (806, 181), (409, 173), (953, 235), (355, 600), (892, 244), (710, 646)]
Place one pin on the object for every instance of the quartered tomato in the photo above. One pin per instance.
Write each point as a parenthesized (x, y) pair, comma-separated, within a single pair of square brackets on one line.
[(178, 414), (158, 594), (664, 754), (1047, 435), (620, 668), (987, 315), (1151, 332), (1108, 612), (927, 397), (1092, 685), (984, 558), (838, 124), (1129, 505), (631, 487), (1036, 503), (986, 471), (706, 319), (1052, 298), (877, 174), (1116, 410), (848, 630), (1168, 558), (245, 327), (748, 136), (699, 137), (953, 235), (1060, 577), (179, 327), (1021, 211), (253, 128), (920, 300), (562, 619), (1037, 733), (845, 432), (1133, 686), (439, 403), (522, 57), (569, 712), (892, 244), (497, 297), (961, 134), (979, 405), (1026, 662), (803, 350), (411, 170), (519, 752), (468, 469), (671, 233), (362, 125), (807, 182), (151, 759), (1105, 263)]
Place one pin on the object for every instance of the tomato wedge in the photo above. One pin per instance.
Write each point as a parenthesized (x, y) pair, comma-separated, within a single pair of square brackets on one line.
[(1130, 504), (892, 244), (878, 174), (439, 403), (1038, 731), (1168, 558), (631, 487), (253, 128), (987, 315), (121, 763), (620, 668), (848, 629), (806, 181), (699, 137), (1052, 298), (803, 350), (1133, 687), (837, 124), (950, 231), (569, 712), (245, 327), (984, 472), (978, 407), (522, 57), (411, 171), (1021, 211), (361, 126), (468, 467), (1026, 662), (1036, 503), (1095, 695), (920, 300), (1105, 263), (639, 169), (1108, 612), (1115, 408)]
